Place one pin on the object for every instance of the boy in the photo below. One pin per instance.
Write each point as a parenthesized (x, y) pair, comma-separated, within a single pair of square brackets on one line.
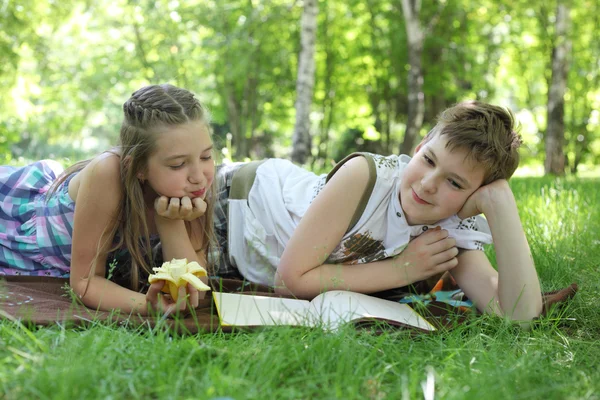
[(377, 223)]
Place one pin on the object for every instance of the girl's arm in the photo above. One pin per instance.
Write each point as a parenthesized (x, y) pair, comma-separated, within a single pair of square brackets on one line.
[(514, 290), (170, 218), (97, 202), (301, 271)]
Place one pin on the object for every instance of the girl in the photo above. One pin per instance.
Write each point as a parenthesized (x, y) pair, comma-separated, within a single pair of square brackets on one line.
[(156, 185), (377, 223)]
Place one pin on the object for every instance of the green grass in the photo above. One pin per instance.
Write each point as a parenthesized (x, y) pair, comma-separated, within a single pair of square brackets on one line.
[(485, 359)]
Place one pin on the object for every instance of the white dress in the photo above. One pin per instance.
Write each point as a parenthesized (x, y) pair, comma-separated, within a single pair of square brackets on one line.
[(262, 220)]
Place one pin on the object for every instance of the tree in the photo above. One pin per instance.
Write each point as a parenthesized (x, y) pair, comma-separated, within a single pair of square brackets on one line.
[(555, 132), (416, 100), (305, 82)]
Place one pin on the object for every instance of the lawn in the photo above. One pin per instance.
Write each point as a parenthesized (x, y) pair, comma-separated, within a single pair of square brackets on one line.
[(487, 358)]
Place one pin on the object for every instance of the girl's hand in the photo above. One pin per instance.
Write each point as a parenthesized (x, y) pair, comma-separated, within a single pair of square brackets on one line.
[(164, 304), (180, 209), (429, 254), (483, 197)]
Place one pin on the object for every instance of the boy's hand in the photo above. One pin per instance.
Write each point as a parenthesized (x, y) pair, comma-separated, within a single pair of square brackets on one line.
[(183, 209), (431, 253), (480, 200)]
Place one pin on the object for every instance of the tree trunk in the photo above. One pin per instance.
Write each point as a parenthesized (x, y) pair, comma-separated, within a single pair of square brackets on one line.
[(305, 82), (555, 132), (416, 102)]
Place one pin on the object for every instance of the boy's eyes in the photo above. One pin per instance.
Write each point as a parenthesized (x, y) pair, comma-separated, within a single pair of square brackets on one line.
[(451, 181), (455, 184)]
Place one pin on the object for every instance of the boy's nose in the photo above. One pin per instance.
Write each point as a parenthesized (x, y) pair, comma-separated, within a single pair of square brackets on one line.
[(428, 184)]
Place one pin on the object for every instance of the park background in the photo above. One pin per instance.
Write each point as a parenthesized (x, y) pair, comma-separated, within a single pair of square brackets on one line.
[(312, 81)]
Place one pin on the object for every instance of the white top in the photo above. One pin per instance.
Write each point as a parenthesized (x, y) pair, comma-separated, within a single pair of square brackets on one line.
[(260, 227)]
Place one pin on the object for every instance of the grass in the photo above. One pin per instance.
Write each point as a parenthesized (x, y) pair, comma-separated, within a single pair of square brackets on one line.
[(487, 358)]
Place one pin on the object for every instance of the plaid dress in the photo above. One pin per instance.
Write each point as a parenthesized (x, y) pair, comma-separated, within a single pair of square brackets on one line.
[(35, 232)]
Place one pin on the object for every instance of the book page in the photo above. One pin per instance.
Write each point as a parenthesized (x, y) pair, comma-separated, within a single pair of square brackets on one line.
[(338, 307), (247, 310)]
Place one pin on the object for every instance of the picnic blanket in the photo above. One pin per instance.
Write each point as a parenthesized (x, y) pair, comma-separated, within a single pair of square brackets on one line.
[(46, 301)]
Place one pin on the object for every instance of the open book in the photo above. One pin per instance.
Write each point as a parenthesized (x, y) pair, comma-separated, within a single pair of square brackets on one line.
[(328, 310)]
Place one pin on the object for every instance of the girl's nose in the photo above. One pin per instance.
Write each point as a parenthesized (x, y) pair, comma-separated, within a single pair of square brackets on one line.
[(195, 175)]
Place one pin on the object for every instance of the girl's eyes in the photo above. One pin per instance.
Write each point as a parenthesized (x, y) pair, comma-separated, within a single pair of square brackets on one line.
[(175, 167)]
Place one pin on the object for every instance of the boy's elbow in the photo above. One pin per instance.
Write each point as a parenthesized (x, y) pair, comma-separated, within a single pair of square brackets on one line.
[(289, 283), (524, 316)]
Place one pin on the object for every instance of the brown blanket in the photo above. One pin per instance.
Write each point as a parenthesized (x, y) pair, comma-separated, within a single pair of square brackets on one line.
[(45, 301)]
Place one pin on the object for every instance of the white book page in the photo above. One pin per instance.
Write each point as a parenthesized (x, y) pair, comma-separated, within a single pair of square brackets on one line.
[(244, 310), (338, 307)]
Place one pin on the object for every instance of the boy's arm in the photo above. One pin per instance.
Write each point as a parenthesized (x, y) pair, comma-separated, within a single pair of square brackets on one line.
[(514, 290), (301, 271)]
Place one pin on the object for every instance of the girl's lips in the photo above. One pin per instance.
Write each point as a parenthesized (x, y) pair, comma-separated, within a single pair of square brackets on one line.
[(199, 193), (417, 198)]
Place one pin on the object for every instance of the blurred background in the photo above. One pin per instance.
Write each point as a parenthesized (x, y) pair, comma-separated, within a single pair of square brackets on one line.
[(308, 80)]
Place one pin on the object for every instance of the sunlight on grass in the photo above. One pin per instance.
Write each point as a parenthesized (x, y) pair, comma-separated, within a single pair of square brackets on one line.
[(485, 358)]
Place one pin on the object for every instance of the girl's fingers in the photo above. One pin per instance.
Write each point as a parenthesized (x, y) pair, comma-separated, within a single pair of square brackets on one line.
[(161, 204), (186, 207), (174, 205), (181, 298), (194, 295), (153, 292)]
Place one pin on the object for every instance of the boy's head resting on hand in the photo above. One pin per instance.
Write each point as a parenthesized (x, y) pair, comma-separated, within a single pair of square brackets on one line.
[(473, 144)]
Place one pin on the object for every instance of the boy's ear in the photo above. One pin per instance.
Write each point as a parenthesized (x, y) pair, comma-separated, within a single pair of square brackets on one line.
[(419, 146)]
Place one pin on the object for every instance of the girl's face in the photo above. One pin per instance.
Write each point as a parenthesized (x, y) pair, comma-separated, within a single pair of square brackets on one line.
[(182, 164), (437, 182)]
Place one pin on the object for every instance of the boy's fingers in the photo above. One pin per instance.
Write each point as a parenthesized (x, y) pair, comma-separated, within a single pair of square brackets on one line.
[(444, 256), (443, 245), (434, 235), (448, 265)]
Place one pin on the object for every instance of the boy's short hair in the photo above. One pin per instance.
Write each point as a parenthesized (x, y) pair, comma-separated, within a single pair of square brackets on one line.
[(486, 132)]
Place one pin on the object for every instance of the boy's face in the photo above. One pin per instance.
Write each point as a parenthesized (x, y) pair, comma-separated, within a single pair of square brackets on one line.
[(437, 183), (182, 164)]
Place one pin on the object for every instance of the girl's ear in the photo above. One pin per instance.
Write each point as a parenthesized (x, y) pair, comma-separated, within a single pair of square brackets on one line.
[(127, 164)]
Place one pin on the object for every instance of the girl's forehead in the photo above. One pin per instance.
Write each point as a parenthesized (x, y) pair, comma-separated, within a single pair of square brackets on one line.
[(189, 137)]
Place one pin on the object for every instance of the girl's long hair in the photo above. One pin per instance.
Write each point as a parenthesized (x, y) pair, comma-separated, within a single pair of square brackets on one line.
[(148, 111)]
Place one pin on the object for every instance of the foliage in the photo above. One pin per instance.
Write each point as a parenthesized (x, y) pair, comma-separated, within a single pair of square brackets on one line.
[(68, 66)]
